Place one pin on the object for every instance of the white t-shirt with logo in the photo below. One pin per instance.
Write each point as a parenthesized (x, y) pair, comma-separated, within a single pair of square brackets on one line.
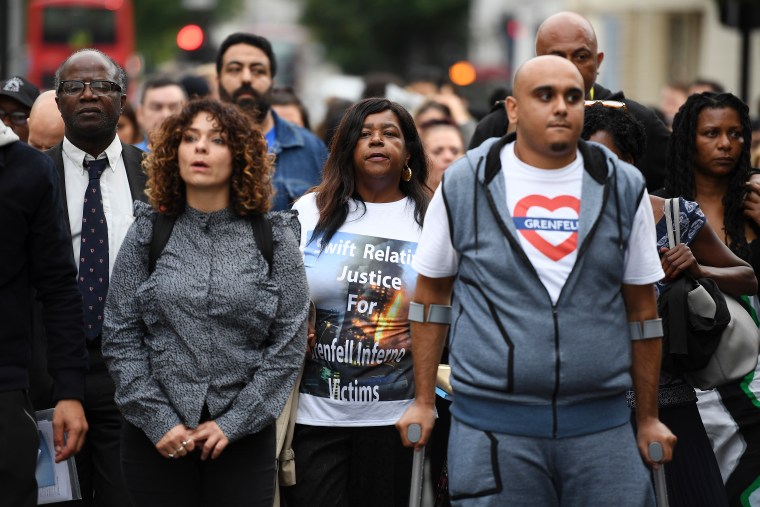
[(545, 206), (359, 373)]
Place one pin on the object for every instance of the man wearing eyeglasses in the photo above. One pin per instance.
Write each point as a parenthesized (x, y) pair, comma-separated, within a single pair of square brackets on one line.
[(101, 177), (16, 98)]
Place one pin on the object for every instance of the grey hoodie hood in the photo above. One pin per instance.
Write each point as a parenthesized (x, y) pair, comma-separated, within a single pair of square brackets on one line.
[(7, 136)]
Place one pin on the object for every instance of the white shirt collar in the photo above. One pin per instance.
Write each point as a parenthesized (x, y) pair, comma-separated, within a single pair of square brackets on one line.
[(77, 155)]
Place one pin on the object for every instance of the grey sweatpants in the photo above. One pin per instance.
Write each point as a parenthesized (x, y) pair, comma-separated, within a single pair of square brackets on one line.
[(494, 469)]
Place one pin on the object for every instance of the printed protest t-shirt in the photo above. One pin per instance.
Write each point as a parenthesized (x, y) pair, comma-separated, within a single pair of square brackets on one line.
[(359, 373), (545, 206)]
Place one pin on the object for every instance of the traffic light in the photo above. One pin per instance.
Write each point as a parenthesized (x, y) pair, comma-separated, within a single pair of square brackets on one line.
[(462, 73), (194, 44), (512, 32), (190, 37)]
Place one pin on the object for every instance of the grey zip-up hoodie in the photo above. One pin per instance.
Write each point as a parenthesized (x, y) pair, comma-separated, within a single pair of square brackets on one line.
[(522, 365)]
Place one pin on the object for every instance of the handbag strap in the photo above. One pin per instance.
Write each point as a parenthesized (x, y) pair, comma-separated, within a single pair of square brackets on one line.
[(672, 222)]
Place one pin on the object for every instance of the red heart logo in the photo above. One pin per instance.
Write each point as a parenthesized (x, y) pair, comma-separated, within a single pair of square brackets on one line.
[(554, 252)]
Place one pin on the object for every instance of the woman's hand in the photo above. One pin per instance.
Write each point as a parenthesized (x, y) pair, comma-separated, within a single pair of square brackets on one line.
[(311, 340), (211, 437), (752, 200), (311, 334), (176, 443), (677, 260)]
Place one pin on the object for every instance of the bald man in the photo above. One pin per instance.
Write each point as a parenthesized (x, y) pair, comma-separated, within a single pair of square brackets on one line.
[(571, 36), (45, 123), (548, 247)]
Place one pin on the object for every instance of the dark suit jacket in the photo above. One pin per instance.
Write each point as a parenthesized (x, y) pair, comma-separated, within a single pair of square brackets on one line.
[(132, 159), (41, 384), (652, 164)]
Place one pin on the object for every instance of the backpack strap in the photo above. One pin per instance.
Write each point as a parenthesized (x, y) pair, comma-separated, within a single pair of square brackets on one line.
[(164, 224), (162, 230), (262, 233)]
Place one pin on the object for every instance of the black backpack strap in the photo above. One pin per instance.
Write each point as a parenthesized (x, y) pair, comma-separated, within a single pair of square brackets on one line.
[(262, 233), (162, 230)]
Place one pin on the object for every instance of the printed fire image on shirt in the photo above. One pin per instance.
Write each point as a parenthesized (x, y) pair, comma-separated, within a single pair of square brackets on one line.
[(362, 293), (549, 225)]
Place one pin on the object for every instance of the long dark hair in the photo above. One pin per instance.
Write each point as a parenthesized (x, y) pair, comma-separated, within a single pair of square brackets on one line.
[(338, 185), (679, 180)]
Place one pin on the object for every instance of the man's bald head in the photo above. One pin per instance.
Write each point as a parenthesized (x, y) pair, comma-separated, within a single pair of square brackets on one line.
[(527, 73), (564, 23), (546, 107), (571, 36), (46, 126)]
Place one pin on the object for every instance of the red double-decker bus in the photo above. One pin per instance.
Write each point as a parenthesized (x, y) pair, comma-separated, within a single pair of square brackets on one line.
[(56, 28)]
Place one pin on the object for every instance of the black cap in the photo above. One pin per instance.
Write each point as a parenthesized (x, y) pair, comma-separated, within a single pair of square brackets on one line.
[(20, 90)]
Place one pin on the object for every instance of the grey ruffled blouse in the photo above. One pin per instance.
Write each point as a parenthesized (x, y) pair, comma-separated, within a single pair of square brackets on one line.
[(210, 326)]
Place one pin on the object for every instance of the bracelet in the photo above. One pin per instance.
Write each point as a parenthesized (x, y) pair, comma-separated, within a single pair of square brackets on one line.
[(645, 329), (437, 314)]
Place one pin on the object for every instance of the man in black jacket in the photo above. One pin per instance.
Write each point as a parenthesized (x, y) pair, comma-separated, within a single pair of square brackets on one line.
[(571, 36), (35, 253)]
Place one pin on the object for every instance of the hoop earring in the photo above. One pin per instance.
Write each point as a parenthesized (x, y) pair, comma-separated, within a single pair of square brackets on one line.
[(406, 173)]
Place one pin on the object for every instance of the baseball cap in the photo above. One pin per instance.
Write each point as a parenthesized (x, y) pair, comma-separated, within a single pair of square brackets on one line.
[(19, 89)]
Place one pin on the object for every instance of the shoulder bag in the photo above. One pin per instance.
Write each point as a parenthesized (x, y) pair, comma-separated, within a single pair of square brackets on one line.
[(710, 338)]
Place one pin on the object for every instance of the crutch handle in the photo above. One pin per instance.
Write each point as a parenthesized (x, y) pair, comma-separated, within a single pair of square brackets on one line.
[(656, 454), (414, 433)]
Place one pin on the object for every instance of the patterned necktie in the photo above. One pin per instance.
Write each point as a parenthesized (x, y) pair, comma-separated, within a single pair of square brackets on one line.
[(93, 252)]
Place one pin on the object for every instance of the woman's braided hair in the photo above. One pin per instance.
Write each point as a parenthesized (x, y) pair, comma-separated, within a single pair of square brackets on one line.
[(679, 180)]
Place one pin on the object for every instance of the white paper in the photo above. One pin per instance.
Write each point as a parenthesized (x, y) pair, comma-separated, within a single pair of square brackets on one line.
[(53, 479)]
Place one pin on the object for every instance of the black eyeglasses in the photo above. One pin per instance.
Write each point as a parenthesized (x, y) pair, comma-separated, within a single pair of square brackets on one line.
[(17, 118), (98, 88)]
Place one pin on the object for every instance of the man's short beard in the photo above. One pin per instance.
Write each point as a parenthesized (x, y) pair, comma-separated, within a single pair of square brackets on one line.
[(256, 105), (559, 147), (256, 108)]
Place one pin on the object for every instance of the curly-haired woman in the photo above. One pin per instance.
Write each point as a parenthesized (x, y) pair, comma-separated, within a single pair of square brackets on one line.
[(360, 229), (709, 162), (205, 349)]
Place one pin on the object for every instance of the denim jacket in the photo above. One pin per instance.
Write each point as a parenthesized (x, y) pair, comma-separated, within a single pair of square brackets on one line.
[(298, 166)]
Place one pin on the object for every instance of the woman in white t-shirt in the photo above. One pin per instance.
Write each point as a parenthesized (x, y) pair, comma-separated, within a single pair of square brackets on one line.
[(359, 232)]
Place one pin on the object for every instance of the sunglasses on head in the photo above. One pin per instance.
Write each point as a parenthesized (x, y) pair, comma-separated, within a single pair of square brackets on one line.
[(607, 103)]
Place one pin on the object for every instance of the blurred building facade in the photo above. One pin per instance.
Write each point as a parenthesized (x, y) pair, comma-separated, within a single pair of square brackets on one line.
[(647, 43)]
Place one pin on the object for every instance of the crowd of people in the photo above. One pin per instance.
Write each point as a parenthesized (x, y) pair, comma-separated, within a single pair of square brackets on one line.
[(224, 307)]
